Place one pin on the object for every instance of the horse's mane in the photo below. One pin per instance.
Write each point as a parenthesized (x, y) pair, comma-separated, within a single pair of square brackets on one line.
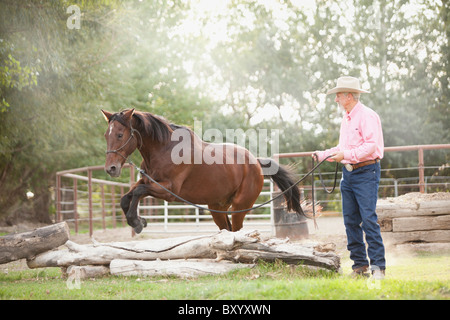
[(154, 126), (157, 127)]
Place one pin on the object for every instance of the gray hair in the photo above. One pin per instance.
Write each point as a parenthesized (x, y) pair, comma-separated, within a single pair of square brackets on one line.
[(356, 95)]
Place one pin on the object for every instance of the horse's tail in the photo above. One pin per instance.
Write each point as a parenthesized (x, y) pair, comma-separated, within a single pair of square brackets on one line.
[(285, 180)]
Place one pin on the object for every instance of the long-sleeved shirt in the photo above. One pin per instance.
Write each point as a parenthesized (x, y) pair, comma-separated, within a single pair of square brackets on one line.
[(361, 136)]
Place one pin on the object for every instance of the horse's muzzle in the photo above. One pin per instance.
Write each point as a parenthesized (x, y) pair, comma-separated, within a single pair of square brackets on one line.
[(113, 170)]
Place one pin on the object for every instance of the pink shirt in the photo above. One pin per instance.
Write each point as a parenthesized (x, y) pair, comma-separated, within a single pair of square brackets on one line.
[(361, 136)]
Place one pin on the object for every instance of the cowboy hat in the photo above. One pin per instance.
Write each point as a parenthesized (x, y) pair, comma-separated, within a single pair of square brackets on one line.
[(347, 84)]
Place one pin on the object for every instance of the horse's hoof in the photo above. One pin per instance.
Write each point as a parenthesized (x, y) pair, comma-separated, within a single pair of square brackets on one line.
[(144, 222), (138, 229)]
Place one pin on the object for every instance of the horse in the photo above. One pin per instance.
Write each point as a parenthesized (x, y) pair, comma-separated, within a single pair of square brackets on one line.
[(220, 184)]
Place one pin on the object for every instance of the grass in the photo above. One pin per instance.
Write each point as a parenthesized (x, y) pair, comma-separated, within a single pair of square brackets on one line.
[(423, 276)]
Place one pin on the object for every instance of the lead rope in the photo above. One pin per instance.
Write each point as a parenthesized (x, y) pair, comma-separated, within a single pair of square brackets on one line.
[(142, 172), (315, 158)]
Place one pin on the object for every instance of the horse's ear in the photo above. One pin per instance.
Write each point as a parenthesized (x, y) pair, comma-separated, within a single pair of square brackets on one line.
[(107, 115), (127, 114)]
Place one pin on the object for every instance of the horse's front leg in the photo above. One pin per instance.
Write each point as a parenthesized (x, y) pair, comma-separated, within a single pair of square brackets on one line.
[(129, 203)]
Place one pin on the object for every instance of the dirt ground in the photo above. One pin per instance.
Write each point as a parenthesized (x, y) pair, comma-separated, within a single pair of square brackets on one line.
[(330, 229)]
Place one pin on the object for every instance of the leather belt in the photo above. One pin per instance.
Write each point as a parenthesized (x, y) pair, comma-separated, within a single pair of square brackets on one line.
[(350, 167)]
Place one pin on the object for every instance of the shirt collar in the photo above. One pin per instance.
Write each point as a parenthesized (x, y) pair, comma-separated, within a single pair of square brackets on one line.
[(354, 111)]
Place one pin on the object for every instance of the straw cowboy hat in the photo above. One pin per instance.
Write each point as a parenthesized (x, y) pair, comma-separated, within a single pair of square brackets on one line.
[(347, 84)]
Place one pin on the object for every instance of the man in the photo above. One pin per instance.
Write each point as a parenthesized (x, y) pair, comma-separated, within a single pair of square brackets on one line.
[(360, 149)]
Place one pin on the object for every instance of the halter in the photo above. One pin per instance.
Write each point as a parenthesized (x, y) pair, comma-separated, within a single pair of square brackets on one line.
[(129, 139)]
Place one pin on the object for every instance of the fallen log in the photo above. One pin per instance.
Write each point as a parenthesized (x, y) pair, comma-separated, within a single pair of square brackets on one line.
[(290, 253), (29, 244), (421, 223), (179, 268), (416, 236), (86, 272), (242, 246), (390, 208), (164, 249)]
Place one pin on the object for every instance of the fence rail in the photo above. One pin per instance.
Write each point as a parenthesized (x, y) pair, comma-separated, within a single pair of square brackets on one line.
[(68, 204), (419, 148), (83, 199)]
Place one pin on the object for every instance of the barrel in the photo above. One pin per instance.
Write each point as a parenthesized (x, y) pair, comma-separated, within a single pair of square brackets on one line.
[(288, 224)]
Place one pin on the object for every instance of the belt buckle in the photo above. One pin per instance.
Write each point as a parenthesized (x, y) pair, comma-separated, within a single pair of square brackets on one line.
[(349, 167)]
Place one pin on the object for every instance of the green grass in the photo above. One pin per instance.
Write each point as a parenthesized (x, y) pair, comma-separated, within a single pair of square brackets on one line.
[(420, 277)]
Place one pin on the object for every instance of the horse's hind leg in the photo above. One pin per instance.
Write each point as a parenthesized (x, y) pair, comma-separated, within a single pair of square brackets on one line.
[(245, 198), (238, 220), (221, 219)]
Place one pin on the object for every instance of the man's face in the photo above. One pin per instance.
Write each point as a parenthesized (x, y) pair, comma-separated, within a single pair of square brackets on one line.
[(343, 100)]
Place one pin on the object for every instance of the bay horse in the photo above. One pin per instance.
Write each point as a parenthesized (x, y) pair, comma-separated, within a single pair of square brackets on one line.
[(218, 185)]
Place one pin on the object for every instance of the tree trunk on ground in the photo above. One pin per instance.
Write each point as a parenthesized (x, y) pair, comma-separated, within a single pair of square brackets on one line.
[(242, 246), (30, 244)]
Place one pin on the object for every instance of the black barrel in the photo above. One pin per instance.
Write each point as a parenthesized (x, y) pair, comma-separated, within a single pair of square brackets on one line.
[(288, 224)]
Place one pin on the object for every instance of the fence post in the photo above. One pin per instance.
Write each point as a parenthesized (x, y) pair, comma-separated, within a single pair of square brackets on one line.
[(102, 191), (123, 213), (421, 172), (91, 227), (166, 215), (58, 198), (395, 188), (75, 201), (113, 206)]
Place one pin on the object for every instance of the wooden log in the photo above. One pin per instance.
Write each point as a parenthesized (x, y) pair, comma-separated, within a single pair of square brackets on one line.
[(164, 249), (29, 244), (436, 207), (421, 223), (242, 246), (385, 224), (179, 268), (392, 209), (387, 209), (86, 272), (416, 236), (290, 253)]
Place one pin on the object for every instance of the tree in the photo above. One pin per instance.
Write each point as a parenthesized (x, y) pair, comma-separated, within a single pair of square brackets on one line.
[(163, 57)]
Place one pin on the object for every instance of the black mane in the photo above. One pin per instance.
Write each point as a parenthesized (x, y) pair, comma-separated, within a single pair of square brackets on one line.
[(154, 126), (157, 127)]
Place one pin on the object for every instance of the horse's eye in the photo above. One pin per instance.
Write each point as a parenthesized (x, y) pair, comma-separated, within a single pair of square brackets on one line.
[(120, 135)]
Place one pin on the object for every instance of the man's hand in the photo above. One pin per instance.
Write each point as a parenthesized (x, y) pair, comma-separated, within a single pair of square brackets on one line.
[(338, 156)]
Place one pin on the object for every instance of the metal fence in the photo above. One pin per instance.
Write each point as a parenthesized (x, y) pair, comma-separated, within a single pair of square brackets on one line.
[(176, 217), (87, 202), (389, 187)]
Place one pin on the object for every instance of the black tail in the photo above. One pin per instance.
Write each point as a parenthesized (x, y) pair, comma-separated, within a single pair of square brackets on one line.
[(285, 180)]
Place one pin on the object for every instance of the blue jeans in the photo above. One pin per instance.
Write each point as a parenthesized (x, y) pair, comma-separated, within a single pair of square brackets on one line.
[(359, 190)]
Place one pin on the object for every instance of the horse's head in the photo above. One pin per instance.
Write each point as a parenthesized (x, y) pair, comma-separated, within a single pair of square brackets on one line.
[(121, 140)]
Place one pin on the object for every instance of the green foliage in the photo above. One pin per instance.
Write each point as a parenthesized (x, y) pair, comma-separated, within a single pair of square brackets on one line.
[(187, 61), (13, 76)]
